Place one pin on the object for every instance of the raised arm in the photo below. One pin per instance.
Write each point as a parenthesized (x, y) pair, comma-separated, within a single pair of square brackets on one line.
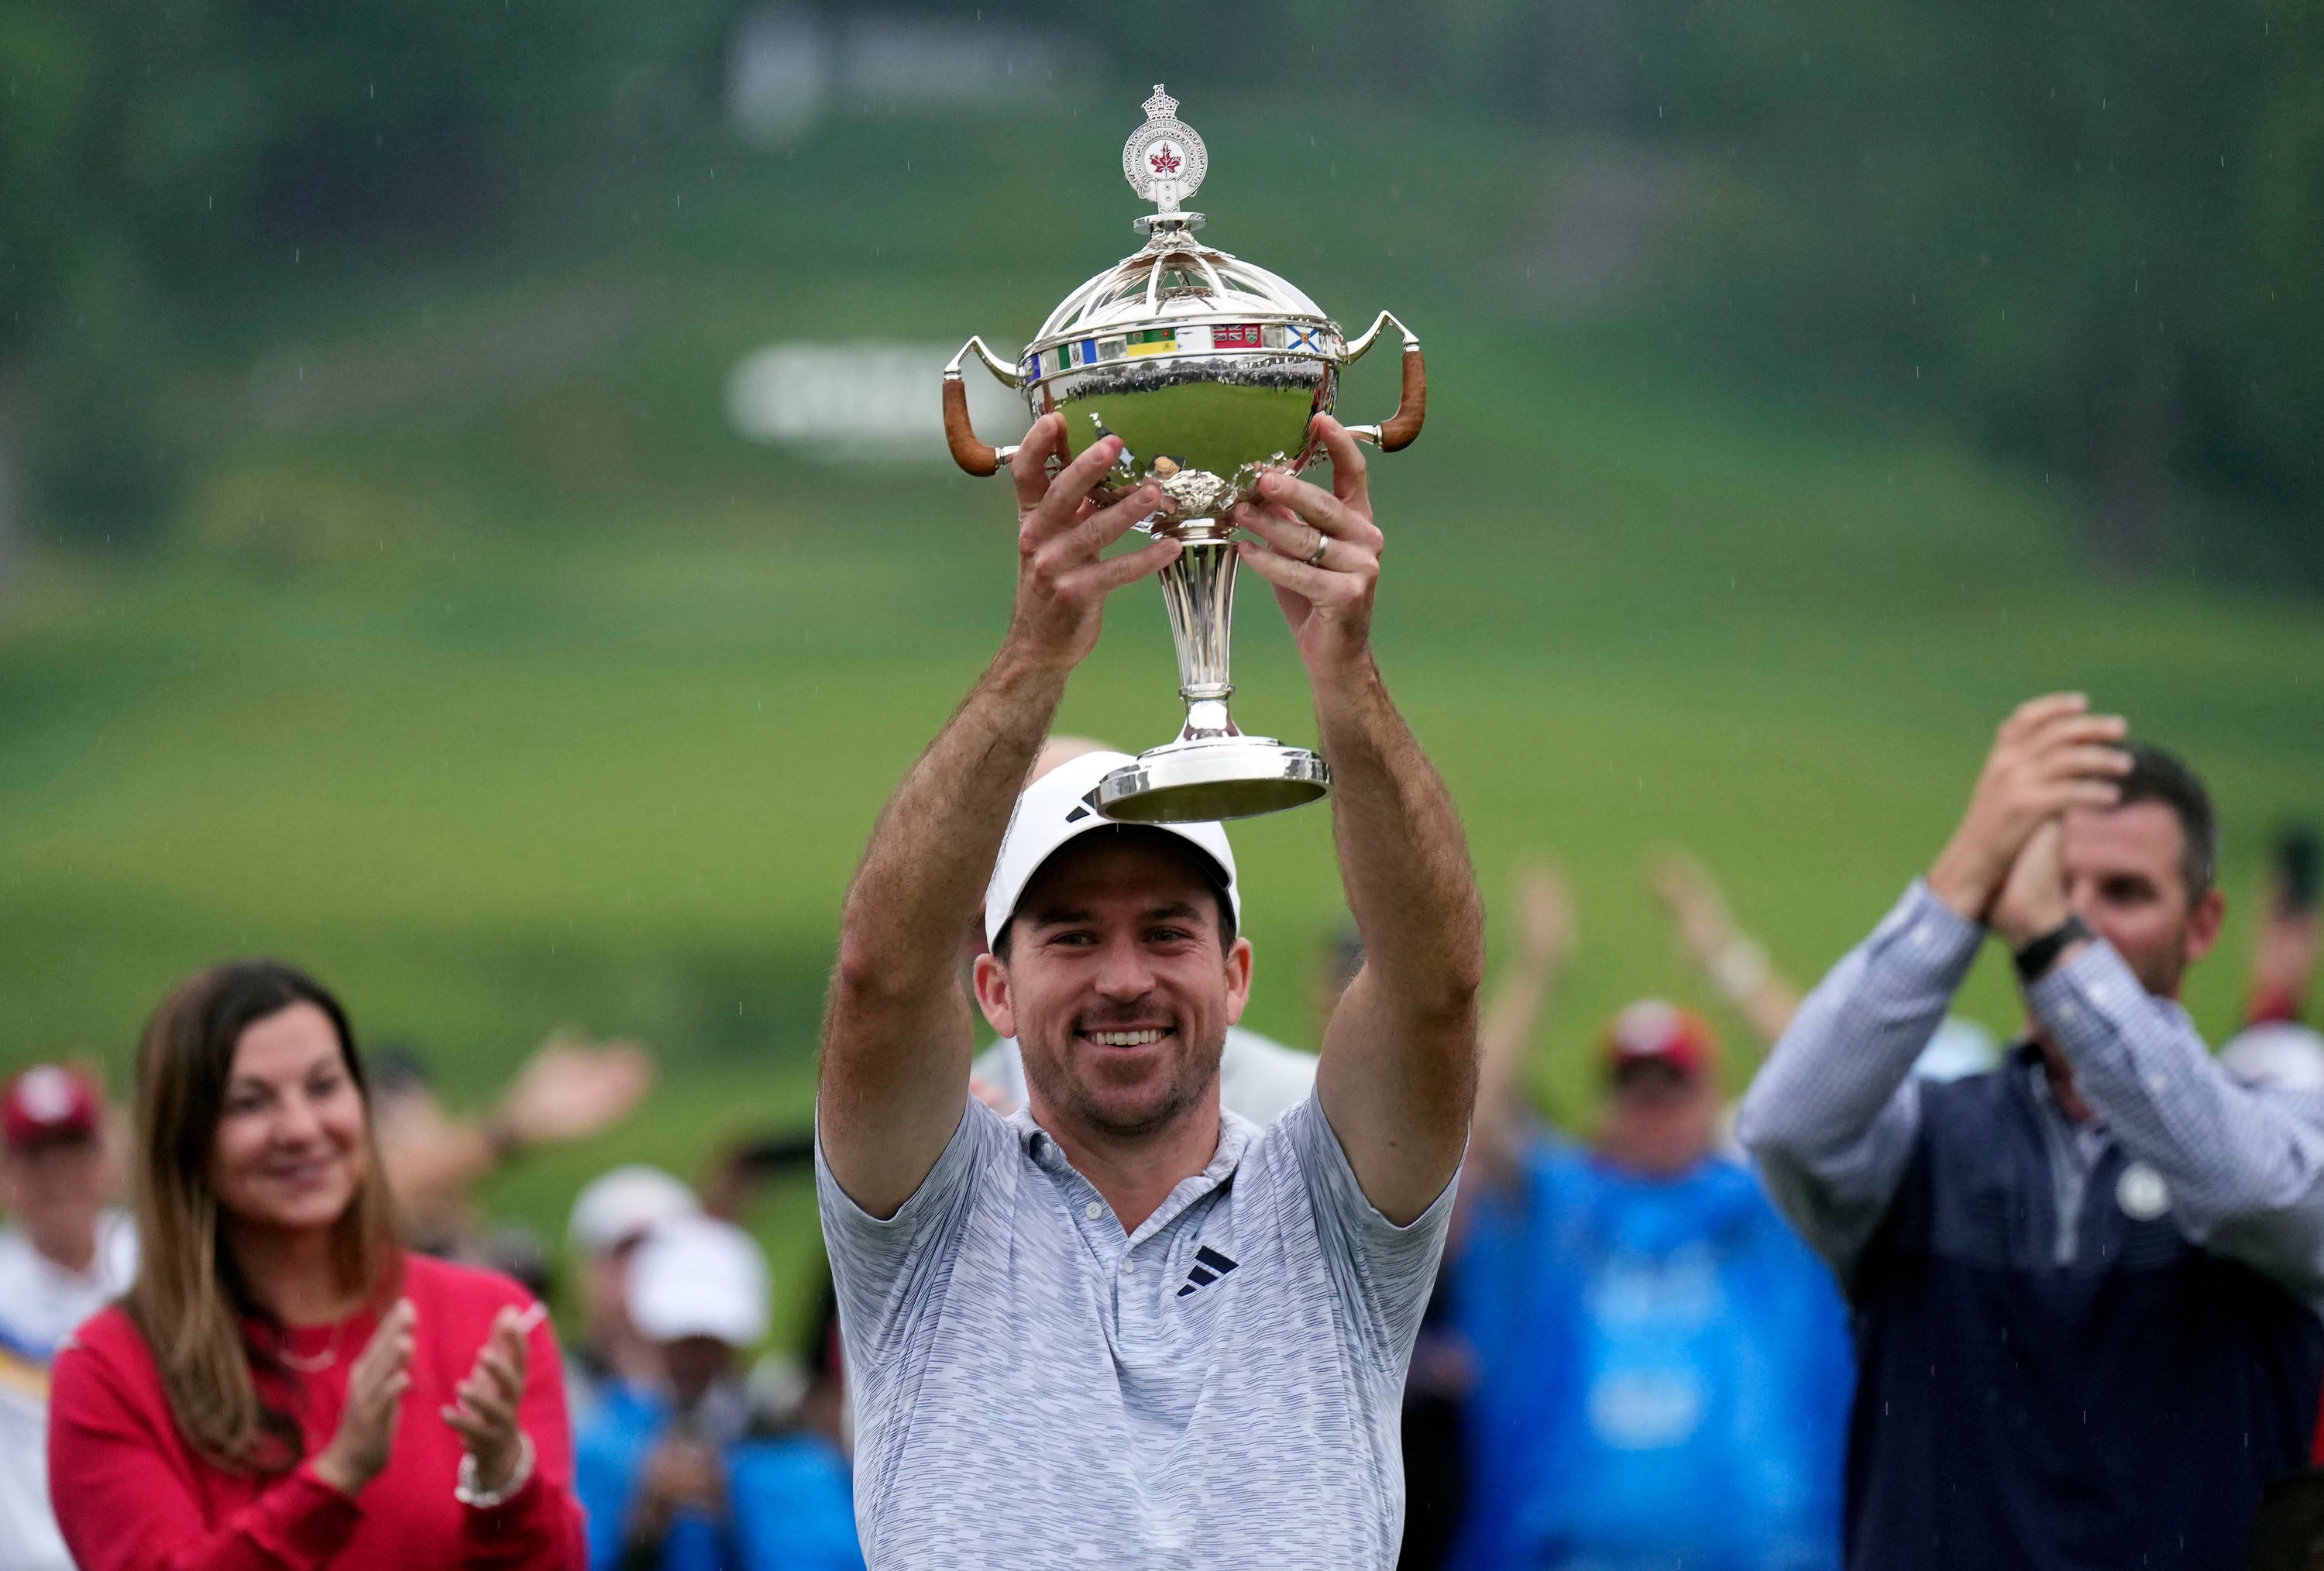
[(897, 1034), (1399, 1064), (569, 1089), (1832, 1117), (1735, 963), (1543, 910)]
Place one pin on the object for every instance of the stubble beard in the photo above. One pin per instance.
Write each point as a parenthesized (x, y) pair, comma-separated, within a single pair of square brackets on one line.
[(2162, 977), (2162, 971), (1049, 1073)]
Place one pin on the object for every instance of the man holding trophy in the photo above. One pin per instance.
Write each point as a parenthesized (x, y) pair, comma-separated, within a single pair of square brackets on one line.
[(1123, 1327)]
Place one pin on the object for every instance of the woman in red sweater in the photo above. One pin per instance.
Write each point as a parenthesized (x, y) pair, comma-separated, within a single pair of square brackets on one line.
[(284, 1389)]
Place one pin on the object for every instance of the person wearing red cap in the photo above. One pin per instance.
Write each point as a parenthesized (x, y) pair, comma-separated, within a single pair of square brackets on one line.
[(63, 1257), (284, 1387), (1658, 1369)]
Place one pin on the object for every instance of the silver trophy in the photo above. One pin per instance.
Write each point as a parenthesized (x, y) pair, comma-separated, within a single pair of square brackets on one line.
[(1209, 369)]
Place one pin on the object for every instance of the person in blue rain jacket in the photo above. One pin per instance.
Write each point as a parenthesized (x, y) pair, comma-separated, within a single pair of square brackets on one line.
[(683, 1477), (1659, 1371)]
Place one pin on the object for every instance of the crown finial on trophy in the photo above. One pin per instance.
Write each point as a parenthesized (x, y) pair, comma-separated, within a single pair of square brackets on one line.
[(1164, 160)]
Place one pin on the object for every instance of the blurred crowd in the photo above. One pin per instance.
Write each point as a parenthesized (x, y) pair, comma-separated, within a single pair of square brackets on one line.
[(1644, 1349)]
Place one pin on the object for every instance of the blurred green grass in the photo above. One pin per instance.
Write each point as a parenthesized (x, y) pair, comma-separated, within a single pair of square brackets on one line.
[(541, 698)]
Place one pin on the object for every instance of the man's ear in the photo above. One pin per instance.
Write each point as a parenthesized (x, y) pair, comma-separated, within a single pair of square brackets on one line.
[(1237, 979), (2203, 924), (992, 994)]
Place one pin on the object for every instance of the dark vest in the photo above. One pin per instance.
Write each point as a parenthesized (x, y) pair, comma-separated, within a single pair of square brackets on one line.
[(2125, 1406)]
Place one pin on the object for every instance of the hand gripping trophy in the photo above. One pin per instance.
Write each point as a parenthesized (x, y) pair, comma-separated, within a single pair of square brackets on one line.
[(1210, 370)]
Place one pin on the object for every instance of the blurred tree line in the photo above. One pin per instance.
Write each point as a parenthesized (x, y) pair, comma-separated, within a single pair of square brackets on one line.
[(2096, 227), (151, 153), (2092, 232)]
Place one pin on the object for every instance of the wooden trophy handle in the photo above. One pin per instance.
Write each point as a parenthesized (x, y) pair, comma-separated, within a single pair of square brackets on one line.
[(1411, 407), (975, 456), (1412, 404)]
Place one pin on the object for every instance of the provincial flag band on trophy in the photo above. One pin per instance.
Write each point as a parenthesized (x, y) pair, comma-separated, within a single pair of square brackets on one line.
[(1081, 352)]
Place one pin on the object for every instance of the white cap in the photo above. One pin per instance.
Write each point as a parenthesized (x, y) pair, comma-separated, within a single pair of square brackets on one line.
[(1062, 806), (697, 1276), (616, 1206), (2281, 1055)]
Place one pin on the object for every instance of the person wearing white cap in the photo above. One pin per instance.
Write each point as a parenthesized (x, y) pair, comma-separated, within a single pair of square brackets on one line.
[(684, 1479), (1184, 1337), (1259, 1078), (610, 1218)]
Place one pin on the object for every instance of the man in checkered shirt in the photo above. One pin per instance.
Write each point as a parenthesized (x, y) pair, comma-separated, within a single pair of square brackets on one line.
[(2085, 1284)]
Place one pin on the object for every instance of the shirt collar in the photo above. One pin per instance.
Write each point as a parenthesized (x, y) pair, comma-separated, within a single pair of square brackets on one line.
[(1236, 1134), (2091, 1135)]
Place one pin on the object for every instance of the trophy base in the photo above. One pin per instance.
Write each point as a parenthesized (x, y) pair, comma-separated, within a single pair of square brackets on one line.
[(1234, 777)]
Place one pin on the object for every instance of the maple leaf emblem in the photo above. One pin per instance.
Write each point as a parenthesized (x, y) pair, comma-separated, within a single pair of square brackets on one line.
[(1164, 162)]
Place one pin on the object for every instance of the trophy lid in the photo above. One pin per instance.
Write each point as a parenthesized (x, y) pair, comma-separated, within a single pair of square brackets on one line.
[(1173, 278)]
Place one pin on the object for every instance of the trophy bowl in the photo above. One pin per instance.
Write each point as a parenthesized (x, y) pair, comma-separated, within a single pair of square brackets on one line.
[(1209, 369)]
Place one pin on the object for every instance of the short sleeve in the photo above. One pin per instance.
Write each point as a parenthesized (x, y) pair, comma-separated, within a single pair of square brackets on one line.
[(889, 1273), (1381, 1272)]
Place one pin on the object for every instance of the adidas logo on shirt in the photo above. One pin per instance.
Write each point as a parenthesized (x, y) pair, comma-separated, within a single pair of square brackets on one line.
[(1210, 1265)]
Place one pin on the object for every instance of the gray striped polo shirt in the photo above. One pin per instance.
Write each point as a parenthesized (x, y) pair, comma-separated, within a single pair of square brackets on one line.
[(1219, 1388)]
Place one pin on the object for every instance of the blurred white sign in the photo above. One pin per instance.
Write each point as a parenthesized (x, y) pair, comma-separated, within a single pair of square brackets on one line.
[(872, 399)]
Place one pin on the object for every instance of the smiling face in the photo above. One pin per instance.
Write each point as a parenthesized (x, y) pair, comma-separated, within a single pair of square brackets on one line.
[(1118, 985), (2124, 878), (290, 1154)]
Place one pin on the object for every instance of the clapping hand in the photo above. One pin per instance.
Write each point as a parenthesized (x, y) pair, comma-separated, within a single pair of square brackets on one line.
[(2033, 899), (376, 1382), (2052, 754), (484, 1411), (682, 1475)]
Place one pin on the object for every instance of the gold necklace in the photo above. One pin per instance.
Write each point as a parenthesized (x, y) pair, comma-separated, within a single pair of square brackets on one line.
[(311, 1363)]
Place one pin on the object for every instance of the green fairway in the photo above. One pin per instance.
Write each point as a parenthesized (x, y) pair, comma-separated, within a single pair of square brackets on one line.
[(539, 697)]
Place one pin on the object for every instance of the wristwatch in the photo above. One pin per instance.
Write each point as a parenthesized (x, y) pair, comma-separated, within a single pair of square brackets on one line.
[(465, 1490), (2035, 960)]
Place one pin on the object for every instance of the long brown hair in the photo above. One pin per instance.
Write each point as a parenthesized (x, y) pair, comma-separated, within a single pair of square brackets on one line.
[(188, 1298)]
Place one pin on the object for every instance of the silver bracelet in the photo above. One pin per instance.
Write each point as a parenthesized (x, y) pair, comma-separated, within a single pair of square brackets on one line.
[(467, 1492)]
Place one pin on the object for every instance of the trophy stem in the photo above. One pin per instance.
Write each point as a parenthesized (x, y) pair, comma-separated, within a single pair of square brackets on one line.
[(1213, 770), (1198, 589)]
